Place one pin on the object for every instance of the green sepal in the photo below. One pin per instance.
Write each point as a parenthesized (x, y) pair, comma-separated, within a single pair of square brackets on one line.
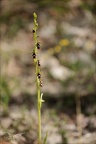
[(41, 100)]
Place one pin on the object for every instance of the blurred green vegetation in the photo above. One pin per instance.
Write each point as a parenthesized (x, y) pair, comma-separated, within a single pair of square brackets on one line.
[(5, 91), (16, 16), (68, 64)]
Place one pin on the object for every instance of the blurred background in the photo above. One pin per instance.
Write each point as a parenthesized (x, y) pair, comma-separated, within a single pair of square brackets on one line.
[(67, 33)]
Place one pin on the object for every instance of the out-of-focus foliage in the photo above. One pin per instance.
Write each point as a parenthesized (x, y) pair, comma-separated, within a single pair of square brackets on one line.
[(5, 91), (68, 66), (67, 33)]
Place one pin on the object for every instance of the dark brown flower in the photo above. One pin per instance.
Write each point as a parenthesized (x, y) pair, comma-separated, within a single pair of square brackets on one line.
[(38, 45), (38, 62), (33, 31), (39, 75), (34, 55)]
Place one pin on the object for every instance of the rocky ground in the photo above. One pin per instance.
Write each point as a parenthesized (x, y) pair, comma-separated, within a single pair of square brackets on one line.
[(19, 126)]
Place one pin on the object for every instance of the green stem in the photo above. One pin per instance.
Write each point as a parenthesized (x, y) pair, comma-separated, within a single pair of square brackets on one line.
[(39, 109), (39, 117), (37, 80)]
